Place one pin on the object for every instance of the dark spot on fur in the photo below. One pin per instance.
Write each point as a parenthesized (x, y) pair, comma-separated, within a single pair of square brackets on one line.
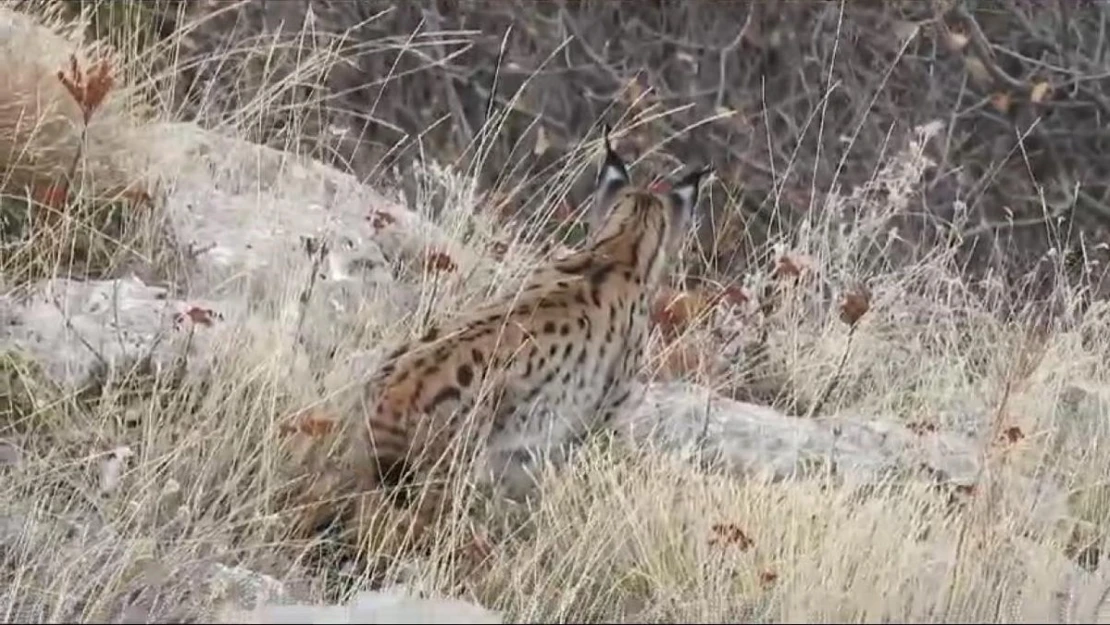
[(394, 471), (478, 357), (564, 330), (599, 274), (431, 335), (447, 393), (381, 427), (465, 375), (554, 349), (549, 327)]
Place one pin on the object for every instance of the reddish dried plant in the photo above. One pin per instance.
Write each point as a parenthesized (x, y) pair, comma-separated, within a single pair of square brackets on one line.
[(854, 305), (767, 579), (791, 267), (736, 295), (88, 88), (198, 316), (440, 261), (311, 423), (730, 534)]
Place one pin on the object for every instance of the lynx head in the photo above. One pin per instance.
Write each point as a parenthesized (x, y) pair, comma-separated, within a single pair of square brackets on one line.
[(656, 218)]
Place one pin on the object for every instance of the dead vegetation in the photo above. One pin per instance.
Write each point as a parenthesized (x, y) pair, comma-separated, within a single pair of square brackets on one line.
[(789, 103), (868, 152)]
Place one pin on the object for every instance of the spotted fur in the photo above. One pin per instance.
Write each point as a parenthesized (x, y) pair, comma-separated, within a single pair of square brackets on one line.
[(545, 365)]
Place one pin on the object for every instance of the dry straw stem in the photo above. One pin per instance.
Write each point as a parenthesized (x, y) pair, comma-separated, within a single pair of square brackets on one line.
[(622, 535)]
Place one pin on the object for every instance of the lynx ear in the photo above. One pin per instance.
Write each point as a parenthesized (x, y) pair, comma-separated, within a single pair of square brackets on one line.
[(611, 178), (684, 199)]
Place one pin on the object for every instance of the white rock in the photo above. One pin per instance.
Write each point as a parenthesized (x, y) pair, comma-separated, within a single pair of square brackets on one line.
[(77, 330), (390, 606), (756, 440), (245, 210)]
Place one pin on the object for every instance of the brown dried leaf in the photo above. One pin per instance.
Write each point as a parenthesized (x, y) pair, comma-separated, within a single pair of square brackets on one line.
[(440, 261), (767, 579), (198, 316), (855, 304)]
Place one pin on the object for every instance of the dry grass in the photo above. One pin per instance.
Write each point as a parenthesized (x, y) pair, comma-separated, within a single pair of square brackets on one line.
[(621, 535)]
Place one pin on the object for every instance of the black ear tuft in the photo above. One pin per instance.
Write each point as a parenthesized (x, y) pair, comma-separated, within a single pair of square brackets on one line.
[(684, 192), (613, 172), (611, 178), (684, 198)]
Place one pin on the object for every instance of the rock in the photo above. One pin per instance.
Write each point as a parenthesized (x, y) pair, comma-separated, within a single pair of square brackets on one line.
[(77, 331), (394, 605), (245, 210), (752, 439)]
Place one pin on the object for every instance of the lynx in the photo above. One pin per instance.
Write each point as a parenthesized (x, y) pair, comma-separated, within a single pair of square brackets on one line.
[(546, 365)]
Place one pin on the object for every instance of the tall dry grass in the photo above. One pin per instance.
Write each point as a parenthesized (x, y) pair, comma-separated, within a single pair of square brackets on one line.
[(125, 497)]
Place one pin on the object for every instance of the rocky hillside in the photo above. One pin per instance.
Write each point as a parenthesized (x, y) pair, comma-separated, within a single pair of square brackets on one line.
[(192, 301)]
